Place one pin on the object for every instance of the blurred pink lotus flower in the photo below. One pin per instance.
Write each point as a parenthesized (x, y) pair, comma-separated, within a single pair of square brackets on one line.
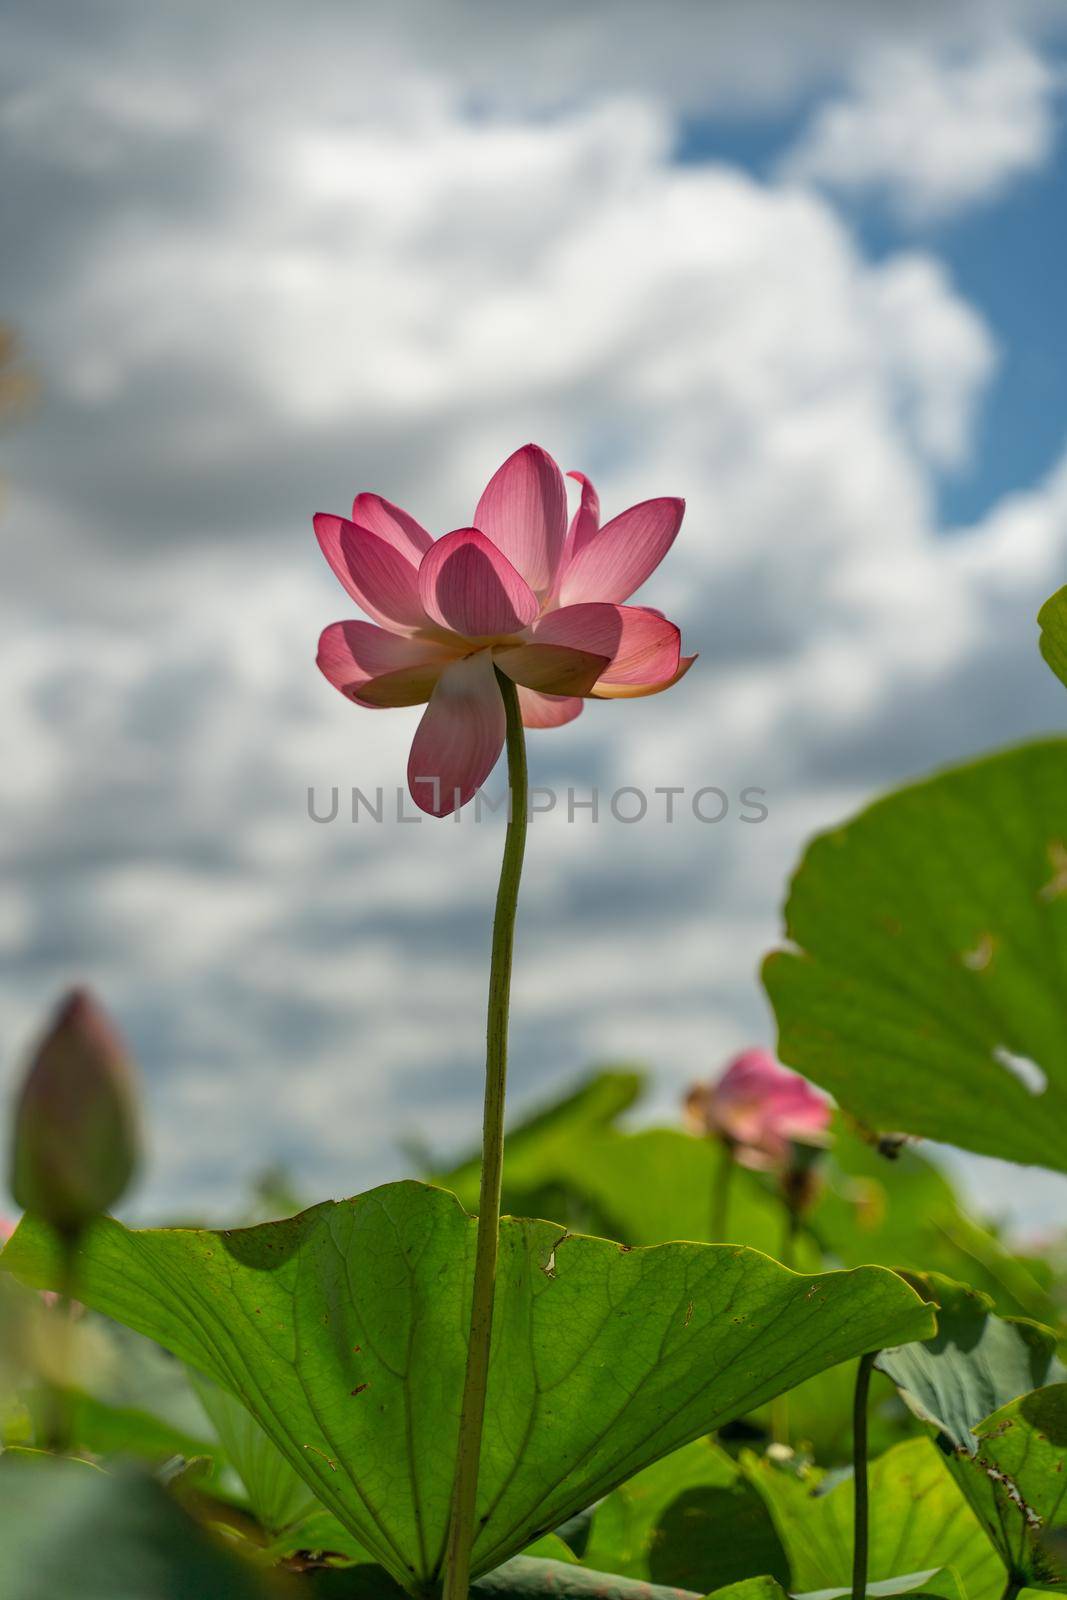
[(520, 591), (760, 1109)]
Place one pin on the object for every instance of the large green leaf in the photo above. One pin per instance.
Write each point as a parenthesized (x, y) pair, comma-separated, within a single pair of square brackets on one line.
[(928, 992), (1022, 1448), (1053, 622), (278, 1496), (657, 1184), (763, 1588), (524, 1578), (343, 1331), (943, 1584), (919, 1521), (692, 1520), (976, 1364), (527, 1578)]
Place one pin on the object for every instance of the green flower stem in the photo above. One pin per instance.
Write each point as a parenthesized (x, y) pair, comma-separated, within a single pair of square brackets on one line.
[(790, 1235), (780, 1405), (465, 1485), (720, 1193), (859, 1471), (58, 1412)]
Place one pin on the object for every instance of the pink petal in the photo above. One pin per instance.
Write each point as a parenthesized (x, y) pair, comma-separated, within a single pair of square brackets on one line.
[(410, 686), (547, 710), (467, 586), (770, 1156), (461, 734), (584, 523), (524, 513), (642, 645), (752, 1075), (377, 576), (396, 527), (376, 668), (551, 668), (620, 556), (638, 691), (760, 1102)]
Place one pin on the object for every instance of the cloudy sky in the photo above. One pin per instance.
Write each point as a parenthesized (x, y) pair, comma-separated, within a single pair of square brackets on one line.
[(803, 265)]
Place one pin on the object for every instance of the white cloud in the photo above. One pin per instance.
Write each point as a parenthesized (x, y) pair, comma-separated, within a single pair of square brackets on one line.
[(935, 132), (941, 353)]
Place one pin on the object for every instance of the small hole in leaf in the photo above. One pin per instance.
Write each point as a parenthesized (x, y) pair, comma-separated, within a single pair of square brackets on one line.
[(1027, 1072)]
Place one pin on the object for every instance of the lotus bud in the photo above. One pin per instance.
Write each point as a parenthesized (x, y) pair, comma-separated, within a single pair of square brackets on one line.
[(76, 1123)]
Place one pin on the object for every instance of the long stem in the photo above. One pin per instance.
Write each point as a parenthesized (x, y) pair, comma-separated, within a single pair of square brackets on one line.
[(790, 1234), (472, 1416), (859, 1477), (720, 1193), (58, 1412), (788, 1258)]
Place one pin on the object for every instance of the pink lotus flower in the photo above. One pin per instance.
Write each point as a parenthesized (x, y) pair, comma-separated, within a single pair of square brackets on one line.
[(519, 591), (760, 1109)]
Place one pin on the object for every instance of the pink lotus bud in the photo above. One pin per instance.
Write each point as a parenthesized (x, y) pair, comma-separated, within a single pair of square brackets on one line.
[(760, 1109), (75, 1130)]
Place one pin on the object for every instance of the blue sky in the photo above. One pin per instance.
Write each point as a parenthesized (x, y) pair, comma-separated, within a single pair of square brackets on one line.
[(1011, 262), (1007, 256), (264, 258)]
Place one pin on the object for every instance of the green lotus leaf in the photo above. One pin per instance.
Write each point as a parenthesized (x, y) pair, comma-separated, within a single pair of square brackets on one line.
[(527, 1578), (920, 1524), (763, 1588), (975, 1363), (944, 1584), (978, 1363), (657, 1184), (692, 1520), (343, 1330), (550, 1547), (1052, 619), (1022, 1455), (555, 1580), (928, 987), (523, 1578), (278, 1496)]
